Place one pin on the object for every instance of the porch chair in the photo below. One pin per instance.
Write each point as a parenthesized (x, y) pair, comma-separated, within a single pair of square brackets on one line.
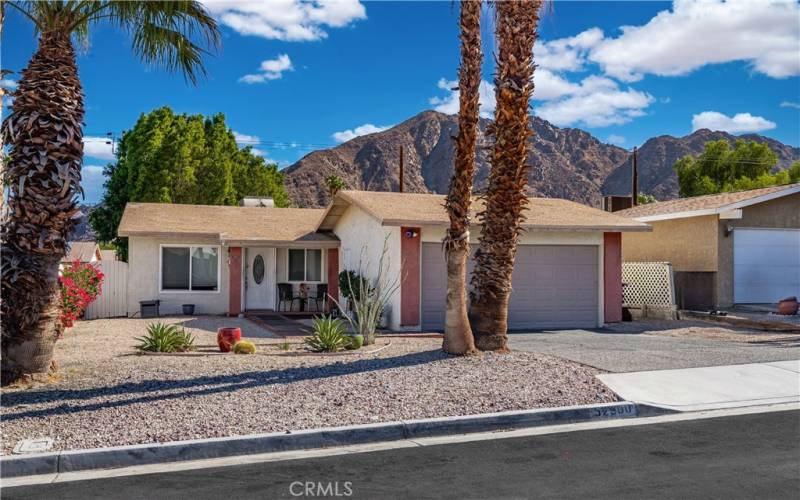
[(285, 295), (321, 297)]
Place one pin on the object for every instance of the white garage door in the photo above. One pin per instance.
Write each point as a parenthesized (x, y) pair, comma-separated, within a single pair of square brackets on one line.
[(554, 286), (766, 265)]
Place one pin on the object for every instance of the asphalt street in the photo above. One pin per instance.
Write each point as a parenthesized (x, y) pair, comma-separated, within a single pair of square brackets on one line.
[(744, 456)]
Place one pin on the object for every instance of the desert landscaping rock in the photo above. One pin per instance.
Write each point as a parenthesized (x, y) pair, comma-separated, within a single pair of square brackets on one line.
[(109, 396)]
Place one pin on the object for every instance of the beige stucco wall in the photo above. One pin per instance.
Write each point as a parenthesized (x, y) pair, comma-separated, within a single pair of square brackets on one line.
[(781, 213), (143, 277), (690, 244), (362, 239)]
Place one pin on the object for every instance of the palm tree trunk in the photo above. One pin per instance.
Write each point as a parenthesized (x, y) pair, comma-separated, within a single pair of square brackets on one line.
[(43, 172), (517, 22), (457, 332)]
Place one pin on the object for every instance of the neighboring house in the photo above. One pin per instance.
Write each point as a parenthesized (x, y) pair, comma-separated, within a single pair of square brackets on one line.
[(82, 251), (725, 249), (568, 271), (108, 255)]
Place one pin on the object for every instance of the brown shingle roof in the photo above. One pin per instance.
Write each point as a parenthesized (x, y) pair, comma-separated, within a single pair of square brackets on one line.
[(82, 251), (227, 223), (702, 203), (542, 213)]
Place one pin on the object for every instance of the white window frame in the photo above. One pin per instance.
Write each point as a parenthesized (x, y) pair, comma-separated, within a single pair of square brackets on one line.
[(323, 270), (191, 249)]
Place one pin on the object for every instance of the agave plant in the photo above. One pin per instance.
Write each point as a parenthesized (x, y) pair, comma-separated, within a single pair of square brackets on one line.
[(165, 338), (329, 335)]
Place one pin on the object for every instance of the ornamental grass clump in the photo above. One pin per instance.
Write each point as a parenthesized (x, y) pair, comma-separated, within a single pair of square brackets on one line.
[(329, 335), (165, 338), (244, 347)]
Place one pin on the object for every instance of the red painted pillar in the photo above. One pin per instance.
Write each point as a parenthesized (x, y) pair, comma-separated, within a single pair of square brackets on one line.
[(410, 256), (333, 276), (234, 281), (612, 276)]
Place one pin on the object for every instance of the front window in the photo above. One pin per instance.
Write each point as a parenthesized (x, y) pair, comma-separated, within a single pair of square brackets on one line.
[(305, 265), (190, 268)]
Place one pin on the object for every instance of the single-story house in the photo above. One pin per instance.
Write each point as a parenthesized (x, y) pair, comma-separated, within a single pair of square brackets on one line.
[(725, 249), (231, 259), (82, 251)]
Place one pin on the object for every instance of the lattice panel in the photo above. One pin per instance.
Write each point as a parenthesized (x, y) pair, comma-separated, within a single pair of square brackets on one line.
[(647, 284)]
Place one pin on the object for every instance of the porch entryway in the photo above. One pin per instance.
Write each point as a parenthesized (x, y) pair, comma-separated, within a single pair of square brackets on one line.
[(260, 278)]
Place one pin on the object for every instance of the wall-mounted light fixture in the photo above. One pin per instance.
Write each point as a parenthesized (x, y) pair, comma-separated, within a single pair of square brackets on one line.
[(411, 233), (728, 230)]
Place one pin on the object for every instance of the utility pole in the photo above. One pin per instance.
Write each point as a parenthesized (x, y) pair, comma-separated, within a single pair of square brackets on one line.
[(635, 180), (401, 168)]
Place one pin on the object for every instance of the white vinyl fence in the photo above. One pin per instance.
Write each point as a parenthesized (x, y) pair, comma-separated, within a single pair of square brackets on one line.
[(113, 300)]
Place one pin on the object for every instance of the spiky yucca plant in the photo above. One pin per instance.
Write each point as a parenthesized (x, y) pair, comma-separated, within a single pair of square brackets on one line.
[(45, 139), (517, 24)]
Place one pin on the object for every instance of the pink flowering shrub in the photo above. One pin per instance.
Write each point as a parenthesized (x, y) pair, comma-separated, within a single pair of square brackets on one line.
[(81, 283)]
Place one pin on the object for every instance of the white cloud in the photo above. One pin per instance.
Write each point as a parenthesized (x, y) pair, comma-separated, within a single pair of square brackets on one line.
[(739, 123), (100, 148), (449, 103), (789, 104), (696, 33), (548, 85), (92, 180), (270, 69), (287, 20), (367, 128), (7, 83), (615, 139), (566, 54), (598, 102), (245, 139)]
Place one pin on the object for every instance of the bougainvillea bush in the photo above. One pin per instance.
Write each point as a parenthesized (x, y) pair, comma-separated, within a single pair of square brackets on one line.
[(81, 283)]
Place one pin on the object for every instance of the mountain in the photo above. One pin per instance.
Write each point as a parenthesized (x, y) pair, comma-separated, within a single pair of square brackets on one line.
[(568, 163), (657, 155), (82, 230)]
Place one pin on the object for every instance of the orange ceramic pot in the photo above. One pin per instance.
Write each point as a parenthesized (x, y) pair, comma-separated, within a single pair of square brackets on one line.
[(226, 337)]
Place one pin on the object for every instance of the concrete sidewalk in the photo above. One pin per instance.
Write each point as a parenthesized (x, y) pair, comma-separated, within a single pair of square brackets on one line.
[(714, 387)]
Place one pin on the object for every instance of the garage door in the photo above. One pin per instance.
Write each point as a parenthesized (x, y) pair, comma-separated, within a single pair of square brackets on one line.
[(554, 286), (766, 265)]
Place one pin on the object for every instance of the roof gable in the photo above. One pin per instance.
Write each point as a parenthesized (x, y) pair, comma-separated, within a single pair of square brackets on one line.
[(708, 204), (396, 209)]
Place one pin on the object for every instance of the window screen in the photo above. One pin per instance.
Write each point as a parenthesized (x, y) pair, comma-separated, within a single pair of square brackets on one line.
[(174, 268), (297, 263)]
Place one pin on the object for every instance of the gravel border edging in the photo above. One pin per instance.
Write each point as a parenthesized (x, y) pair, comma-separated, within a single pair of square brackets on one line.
[(124, 456)]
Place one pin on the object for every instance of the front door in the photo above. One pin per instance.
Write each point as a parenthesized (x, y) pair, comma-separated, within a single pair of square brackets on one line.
[(260, 279)]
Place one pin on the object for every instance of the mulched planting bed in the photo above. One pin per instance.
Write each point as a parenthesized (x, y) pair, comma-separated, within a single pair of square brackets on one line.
[(106, 397)]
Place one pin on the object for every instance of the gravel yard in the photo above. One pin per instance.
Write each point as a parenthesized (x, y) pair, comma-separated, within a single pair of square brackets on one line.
[(106, 395)]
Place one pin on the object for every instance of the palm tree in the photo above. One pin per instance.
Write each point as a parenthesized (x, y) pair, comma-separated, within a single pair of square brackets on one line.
[(335, 184), (44, 135), (505, 199), (457, 332)]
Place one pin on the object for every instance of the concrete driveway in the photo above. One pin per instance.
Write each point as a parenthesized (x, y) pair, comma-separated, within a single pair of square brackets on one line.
[(628, 352)]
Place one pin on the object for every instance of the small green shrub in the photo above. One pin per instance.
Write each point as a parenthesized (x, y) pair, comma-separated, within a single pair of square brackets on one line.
[(328, 335), (284, 346), (244, 347), (165, 338), (356, 341)]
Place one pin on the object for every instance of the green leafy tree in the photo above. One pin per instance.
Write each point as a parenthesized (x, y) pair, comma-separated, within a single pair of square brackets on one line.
[(722, 168), (44, 136), (170, 158), (644, 198), (335, 184)]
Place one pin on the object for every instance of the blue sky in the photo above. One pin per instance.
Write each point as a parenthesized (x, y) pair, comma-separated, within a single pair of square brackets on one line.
[(294, 77)]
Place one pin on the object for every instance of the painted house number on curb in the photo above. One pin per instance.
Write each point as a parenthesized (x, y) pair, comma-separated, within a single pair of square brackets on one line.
[(616, 411)]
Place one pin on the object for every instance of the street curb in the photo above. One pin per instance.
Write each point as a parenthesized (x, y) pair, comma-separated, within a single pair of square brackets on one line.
[(125, 456)]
